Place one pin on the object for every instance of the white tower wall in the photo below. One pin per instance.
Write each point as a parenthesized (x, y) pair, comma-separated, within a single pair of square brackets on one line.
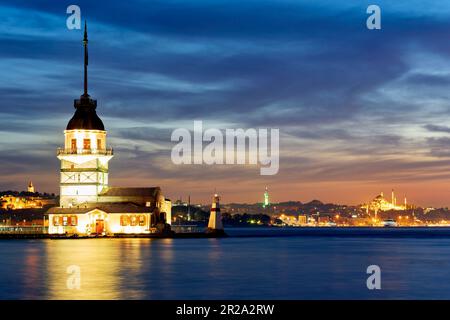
[(84, 166), (215, 218)]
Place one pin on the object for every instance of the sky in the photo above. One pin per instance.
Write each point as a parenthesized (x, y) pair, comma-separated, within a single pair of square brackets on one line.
[(359, 111)]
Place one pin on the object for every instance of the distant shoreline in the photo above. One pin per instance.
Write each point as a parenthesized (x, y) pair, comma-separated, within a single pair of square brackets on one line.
[(264, 232)]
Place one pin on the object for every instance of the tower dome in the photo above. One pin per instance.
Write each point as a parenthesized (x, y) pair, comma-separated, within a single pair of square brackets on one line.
[(85, 117)]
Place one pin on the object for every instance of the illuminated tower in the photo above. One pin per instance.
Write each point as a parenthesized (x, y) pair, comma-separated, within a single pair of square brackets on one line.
[(266, 199), (189, 209), (85, 157), (215, 218), (30, 187)]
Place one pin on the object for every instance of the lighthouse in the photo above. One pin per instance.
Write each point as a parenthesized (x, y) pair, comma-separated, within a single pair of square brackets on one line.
[(84, 157), (215, 219), (89, 206)]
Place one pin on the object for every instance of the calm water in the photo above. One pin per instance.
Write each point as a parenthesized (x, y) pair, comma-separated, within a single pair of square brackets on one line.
[(285, 264)]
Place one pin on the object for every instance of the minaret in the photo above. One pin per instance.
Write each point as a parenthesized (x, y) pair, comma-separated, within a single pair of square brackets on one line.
[(85, 157), (215, 218), (30, 187)]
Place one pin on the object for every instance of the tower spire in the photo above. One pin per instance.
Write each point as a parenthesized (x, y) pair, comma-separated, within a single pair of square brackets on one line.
[(85, 44)]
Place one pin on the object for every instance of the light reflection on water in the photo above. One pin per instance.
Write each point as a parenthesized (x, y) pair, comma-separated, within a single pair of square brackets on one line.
[(104, 265), (239, 268)]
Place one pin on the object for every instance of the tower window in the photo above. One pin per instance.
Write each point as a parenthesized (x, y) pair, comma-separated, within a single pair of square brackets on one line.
[(74, 144), (86, 143), (99, 144)]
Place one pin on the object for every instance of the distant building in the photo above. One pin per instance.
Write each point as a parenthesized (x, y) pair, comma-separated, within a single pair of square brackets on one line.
[(293, 220), (88, 205), (302, 219), (12, 202), (31, 187), (25, 200), (266, 202), (322, 220), (380, 203)]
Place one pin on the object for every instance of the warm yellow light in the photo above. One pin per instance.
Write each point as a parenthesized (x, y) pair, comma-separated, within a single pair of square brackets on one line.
[(115, 229)]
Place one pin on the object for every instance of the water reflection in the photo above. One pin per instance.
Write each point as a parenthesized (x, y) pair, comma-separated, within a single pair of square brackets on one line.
[(113, 268), (97, 278), (232, 268)]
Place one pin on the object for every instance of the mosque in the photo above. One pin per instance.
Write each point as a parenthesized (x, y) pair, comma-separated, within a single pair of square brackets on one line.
[(88, 205), (380, 203)]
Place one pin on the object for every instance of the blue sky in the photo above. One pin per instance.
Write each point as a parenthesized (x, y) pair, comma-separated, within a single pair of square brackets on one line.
[(359, 111)]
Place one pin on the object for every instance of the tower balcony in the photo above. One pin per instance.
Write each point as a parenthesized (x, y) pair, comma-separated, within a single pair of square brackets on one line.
[(70, 152)]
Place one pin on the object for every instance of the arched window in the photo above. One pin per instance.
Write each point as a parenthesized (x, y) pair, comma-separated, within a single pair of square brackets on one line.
[(124, 220), (73, 220), (134, 220), (73, 145), (142, 220)]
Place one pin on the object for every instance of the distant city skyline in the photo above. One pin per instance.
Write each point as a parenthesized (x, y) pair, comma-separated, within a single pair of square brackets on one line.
[(359, 111), (390, 204)]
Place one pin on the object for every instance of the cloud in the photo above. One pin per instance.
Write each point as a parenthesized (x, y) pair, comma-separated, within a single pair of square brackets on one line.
[(351, 104), (437, 128)]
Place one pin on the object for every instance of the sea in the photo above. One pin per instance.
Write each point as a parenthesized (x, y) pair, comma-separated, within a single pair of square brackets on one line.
[(252, 263)]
